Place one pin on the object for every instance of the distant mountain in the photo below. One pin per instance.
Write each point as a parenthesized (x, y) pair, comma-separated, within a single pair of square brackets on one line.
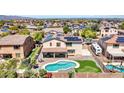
[(10, 17), (75, 16), (5, 17)]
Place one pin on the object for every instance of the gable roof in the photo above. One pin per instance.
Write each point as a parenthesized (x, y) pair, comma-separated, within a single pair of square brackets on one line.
[(13, 40), (113, 40), (54, 38)]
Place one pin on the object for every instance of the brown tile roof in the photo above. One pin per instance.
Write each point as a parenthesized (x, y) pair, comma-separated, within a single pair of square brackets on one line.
[(112, 40), (54, 50), (13, 40)]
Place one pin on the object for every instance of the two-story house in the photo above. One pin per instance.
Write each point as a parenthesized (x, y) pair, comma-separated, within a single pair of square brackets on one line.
[(108, 31), (16, 46), (61, 47), (113, 47)]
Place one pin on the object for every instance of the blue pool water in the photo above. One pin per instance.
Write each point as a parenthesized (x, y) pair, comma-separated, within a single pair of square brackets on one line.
[(117, 68), (60, 65)]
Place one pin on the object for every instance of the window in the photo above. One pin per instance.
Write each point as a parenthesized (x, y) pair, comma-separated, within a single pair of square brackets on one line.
[(17, 55), (68, 44), (71, 51), (50, 44), (106, 30), (58, 44), (116, 46), (105, 34), (16, 46)]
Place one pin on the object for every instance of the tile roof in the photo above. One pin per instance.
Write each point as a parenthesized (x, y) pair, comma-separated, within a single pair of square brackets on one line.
[(112, 40), (13, 40), (63, 38)]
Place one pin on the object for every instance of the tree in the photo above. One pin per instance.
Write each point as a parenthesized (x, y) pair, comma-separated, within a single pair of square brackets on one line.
[(88, 33), (122, 25), (38, 36), (24, 32), (66, 29), (14, 28), (8, 74), (11, 74), (2, 66), (42, 72), (11, 64), (8, 69), (2, 73), (2, 23), (21, 26), (4, 34)]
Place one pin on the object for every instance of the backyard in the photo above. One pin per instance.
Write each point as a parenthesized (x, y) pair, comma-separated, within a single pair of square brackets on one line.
[(87, 66), (31, 60)]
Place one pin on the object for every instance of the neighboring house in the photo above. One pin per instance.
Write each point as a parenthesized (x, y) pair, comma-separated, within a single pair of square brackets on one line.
[(5, 29), (32, 27), (113, 47), (120, 32), (108, 31), (16, 46), (61, 47), (48, 30)]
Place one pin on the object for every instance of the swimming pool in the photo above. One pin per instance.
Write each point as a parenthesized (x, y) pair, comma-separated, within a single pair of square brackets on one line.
[(116, 68), (60, 65)]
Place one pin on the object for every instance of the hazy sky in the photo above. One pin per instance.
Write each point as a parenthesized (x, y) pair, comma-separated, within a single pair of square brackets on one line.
[(75, 16)]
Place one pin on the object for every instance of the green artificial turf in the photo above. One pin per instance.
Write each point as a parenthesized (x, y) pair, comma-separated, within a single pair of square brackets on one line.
[(87, 66)]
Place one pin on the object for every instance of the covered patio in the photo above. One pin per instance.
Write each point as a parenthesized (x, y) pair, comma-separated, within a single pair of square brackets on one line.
[(115, 55), (54, 52)]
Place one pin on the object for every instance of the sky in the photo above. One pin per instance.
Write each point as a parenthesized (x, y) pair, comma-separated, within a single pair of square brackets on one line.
[(61, 7), (74, 16)]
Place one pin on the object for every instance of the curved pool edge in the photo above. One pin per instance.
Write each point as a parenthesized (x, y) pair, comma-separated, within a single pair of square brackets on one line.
[(77, 65)]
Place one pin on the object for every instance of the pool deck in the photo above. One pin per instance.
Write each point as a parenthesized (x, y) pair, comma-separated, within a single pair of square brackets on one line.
[(78, 57), (50, 60)]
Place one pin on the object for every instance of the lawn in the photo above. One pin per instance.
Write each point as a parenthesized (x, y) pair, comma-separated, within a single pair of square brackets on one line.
[(87, 66)]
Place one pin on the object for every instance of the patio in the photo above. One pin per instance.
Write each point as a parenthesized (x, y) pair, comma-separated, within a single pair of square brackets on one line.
[(54, 53), (115, 55)]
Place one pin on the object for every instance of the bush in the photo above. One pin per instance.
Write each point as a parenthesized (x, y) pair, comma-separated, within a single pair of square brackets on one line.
[(42, 72), (71, 74), (28, 74), (25, 63)]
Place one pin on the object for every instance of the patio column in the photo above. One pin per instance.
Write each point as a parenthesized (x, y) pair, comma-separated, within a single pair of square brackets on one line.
[(54, 55), (112, 58), (66, 55)]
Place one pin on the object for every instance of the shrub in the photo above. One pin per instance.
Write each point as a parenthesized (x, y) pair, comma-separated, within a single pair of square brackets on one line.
[(42, 72), (71, 74)]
